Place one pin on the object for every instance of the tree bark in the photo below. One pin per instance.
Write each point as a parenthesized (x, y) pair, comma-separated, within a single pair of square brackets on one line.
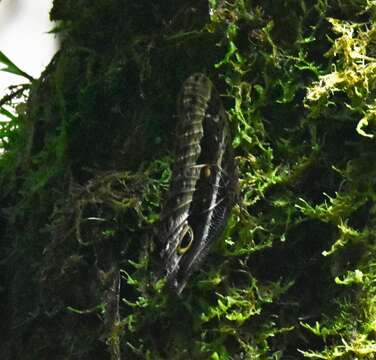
[(86, 165)]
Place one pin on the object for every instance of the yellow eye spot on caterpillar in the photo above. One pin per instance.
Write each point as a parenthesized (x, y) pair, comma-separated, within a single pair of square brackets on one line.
[(186, 240), (206, 170)]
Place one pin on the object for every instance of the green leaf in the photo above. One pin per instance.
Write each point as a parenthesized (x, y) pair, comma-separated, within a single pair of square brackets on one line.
[(12, 68), (352, 277), (7, 113)]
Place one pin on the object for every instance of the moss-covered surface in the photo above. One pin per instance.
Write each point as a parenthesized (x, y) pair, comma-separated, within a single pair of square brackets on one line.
[(88, 157)]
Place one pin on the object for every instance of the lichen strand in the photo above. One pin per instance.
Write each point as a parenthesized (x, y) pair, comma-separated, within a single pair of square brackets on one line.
[(87, 159)]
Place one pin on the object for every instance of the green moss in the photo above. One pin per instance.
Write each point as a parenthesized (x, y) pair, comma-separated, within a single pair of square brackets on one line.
[(88, 156)]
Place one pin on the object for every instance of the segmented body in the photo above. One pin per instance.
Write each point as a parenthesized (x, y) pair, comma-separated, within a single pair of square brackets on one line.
[(202, 188)]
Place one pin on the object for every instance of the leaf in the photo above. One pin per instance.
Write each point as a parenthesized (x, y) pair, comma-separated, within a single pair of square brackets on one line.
[(7, 113), (12, 68), (352, 277)]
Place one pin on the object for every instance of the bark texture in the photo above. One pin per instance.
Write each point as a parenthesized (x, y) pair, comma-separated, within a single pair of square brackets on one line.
[(87, 159)]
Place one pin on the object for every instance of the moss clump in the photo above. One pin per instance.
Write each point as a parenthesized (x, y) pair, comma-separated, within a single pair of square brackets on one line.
[(87, 157)]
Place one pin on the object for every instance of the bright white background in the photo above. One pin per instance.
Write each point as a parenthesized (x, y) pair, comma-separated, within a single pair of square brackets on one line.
[(24, 38)]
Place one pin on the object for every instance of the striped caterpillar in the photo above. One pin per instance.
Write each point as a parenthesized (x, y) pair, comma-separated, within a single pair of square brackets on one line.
[(203, 186)]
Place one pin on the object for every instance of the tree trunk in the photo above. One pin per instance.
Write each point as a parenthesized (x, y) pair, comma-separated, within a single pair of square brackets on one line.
[(86, 164)]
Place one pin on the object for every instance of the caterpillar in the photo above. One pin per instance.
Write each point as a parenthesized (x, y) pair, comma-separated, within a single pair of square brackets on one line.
[(203, 184)]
